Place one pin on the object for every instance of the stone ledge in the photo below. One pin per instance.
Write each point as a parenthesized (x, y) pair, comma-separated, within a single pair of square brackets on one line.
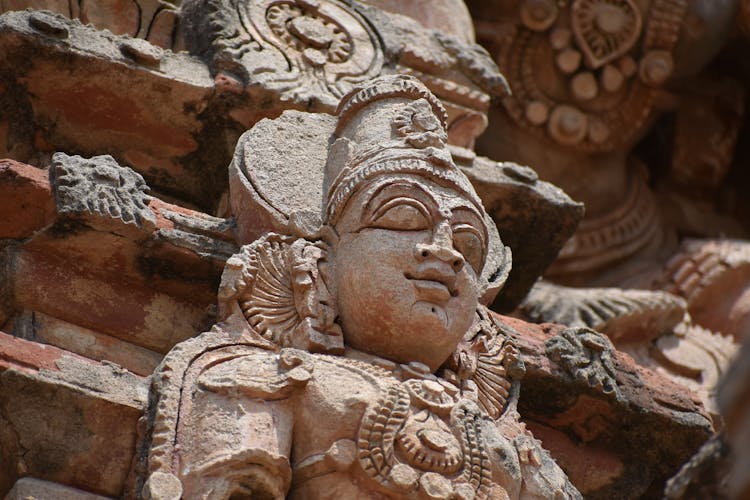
[(65, 418)]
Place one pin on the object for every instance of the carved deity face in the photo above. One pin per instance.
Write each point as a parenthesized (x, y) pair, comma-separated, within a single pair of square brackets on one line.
[(406, 268)]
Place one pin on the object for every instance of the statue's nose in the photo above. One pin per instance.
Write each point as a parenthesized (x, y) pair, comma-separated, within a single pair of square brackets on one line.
[(441, 248)]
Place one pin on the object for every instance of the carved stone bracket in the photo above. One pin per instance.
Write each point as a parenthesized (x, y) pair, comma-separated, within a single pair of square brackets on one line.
[(101, 193)]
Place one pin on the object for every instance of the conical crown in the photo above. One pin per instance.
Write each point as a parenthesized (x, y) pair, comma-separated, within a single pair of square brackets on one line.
[(391, 125)]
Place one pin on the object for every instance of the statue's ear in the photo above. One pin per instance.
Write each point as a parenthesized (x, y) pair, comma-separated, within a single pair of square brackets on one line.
[(497, 266)]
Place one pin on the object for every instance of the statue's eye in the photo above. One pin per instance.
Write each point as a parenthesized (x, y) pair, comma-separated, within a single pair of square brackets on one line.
[(401, 214), (466, 240)]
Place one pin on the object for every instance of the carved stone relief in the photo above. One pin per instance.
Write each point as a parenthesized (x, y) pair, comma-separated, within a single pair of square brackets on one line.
[(99, 190), (403, 386), (653, 327), (314, 51)]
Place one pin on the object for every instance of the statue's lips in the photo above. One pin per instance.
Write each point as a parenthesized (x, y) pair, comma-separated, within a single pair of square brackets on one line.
[(431, 290)]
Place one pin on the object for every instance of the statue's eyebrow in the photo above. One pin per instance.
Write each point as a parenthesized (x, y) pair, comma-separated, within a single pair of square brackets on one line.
[(404, 184), (474, 219), (468, 207)]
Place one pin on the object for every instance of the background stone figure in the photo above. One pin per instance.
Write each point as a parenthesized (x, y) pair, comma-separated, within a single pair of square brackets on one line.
[(590, 79)]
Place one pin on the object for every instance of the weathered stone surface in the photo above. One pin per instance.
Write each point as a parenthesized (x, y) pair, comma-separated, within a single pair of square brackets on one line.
[(145, 116), (734, 403), (39, 327), (28, 488), (125, 297), (175, 118), (65, 418), (616, 444), (705, 475), (154, 20), (101, 193), (24, 199)]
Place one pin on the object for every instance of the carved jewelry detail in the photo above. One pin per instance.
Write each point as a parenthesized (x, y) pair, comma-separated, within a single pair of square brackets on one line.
[(421, 425), (605, 29), (377, 433), (487, 363), (279, 290)]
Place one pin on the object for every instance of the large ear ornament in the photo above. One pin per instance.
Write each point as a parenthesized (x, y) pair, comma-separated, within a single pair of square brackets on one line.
[(488, 363), (276, 285)]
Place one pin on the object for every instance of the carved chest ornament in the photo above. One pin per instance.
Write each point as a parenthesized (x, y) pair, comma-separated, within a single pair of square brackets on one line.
[(421, 438), (609, 59), (426, 436)]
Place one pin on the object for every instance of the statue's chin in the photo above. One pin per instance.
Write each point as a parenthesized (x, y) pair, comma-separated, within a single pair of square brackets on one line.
[(425, 337)]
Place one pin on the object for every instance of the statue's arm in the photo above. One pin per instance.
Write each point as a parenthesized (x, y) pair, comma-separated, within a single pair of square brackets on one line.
[(237, 437)]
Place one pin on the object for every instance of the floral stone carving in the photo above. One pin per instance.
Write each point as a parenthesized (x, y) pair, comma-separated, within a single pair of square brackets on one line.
[(310, 50), (587, 356), (354, 357)]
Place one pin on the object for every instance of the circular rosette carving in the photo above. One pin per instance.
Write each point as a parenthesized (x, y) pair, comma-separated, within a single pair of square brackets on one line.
[(419, 125), (605, 29), (277, 285), (428, 444), (329, 47), (318, 38)]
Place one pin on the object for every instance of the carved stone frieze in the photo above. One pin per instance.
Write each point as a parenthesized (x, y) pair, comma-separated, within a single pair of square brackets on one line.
[(623, 315), (310, 51), (651, 326), (590, 79)]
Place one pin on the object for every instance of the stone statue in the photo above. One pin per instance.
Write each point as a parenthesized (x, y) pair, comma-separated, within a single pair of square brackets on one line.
[(354, 357)]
